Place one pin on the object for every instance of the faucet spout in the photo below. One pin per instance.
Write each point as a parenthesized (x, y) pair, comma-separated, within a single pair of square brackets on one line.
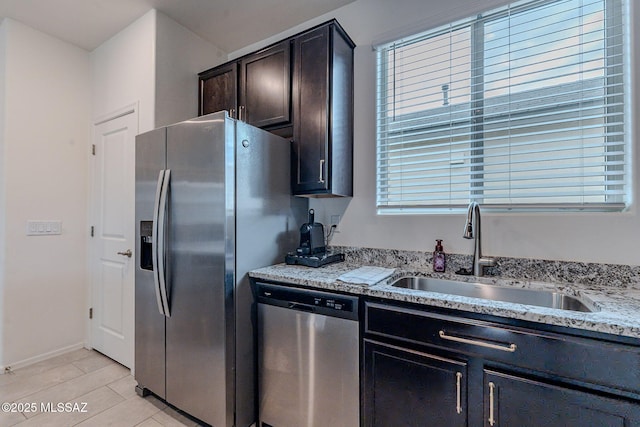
[(472, 230), (468, 228)]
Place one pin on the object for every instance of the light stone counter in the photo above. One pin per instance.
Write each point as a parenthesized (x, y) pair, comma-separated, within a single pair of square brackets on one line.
[(618, 304)]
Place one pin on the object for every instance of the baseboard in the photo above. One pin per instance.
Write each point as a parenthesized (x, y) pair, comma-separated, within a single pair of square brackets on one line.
[(39, 358)]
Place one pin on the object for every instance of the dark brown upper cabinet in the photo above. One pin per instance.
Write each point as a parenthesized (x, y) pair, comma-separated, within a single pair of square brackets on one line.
[(219, 89), (265, 86), (323, 112), (256, 88), (299, 88)]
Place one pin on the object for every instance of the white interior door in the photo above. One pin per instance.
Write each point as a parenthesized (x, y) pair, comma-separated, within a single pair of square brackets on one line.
[(113, 260)]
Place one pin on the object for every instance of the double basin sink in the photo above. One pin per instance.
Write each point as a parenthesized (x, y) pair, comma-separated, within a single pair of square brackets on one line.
[(541, 298)]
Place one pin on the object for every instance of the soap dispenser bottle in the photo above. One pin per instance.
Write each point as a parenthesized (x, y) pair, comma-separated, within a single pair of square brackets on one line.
[(439, 257)]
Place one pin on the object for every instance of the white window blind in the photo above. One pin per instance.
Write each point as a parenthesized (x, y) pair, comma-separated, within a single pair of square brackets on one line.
[(520, 108)]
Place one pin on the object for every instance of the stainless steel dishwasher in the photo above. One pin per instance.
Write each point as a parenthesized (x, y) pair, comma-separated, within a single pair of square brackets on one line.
[(308, 358)]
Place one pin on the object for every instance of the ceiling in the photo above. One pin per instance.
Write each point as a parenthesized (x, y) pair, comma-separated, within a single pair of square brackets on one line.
[(228, 24)]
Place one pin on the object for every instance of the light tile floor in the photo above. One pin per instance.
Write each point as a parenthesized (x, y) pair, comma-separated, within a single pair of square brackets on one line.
[(99, 391)]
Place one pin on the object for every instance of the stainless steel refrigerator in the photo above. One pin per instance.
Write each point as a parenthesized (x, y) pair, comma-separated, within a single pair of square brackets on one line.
[(212, 202)]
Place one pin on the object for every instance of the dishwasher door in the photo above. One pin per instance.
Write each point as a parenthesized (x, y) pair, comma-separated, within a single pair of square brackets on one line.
[(308, 358)]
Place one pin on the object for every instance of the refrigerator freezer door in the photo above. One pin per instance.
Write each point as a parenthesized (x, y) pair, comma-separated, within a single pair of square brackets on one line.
[(149, 322), (198, 363)]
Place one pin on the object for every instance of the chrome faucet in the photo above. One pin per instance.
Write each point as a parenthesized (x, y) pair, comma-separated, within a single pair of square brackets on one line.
[(472, 231)]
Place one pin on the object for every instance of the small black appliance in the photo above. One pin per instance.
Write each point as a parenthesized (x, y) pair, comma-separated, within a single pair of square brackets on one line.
[(311, 237), (312, 251)]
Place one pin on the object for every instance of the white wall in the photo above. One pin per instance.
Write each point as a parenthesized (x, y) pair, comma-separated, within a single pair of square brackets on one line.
[(153, 62), (44, 176), (180, 56), (590, 237), (123, 72)]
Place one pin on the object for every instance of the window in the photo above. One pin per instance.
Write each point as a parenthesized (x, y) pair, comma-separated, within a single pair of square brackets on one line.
[(520, 108)]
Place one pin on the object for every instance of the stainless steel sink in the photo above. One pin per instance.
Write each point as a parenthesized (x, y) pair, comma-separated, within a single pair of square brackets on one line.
[(541, 298)]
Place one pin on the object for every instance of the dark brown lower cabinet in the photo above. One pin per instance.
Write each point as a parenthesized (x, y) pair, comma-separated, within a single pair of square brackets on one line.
[(437, 367), (405, 388), (515, 401)]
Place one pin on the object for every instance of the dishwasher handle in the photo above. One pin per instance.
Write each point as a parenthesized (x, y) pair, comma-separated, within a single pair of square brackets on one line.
[(301, 307)]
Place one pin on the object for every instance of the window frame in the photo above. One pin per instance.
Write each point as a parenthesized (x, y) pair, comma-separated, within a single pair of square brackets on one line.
[(477, 116)]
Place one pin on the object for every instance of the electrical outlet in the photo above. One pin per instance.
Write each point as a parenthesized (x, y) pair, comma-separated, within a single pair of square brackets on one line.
[(335, 220)]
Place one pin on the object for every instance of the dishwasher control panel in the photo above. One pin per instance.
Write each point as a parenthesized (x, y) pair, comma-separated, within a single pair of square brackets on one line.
[(308, 300), (335, 303)]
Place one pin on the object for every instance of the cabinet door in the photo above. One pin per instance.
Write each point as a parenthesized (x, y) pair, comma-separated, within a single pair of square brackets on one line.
[(409, 388), (265, 86), (218, 89), (311, 85), (514, 401)]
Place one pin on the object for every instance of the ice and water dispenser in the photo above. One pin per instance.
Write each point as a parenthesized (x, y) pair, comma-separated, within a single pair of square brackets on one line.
[(146, 243)]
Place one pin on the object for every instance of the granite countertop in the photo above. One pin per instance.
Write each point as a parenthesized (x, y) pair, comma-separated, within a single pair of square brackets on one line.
[(618, 307)]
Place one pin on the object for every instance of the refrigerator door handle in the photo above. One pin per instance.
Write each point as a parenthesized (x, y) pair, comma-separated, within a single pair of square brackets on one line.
[(162, 218), (155, 234)]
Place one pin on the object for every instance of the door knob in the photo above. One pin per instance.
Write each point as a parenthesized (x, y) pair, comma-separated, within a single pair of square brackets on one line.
[(128, 253)]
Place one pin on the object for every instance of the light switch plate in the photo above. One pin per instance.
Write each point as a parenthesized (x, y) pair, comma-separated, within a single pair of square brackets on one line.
[(44, 228)]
